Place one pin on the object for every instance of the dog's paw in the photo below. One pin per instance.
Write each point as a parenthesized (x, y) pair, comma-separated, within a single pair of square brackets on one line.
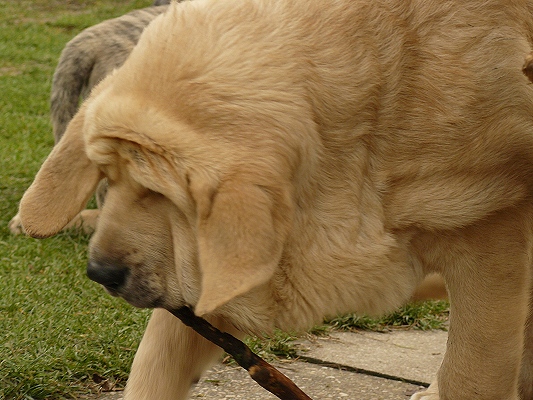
[(15, 225), (424, 396), (84, 222), (431, 393)]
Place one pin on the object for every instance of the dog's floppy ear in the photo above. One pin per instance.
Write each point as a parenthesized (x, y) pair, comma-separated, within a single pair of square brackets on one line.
[(240, 239), (63, 185)]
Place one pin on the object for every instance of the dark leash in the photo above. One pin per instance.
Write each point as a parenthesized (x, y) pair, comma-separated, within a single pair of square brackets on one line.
[(262, 372)]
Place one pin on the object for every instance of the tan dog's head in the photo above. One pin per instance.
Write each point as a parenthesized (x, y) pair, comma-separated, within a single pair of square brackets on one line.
[(200, 158), (179, 224), (187, 219)]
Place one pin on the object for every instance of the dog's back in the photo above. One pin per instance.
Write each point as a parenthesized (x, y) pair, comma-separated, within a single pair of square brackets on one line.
[(89, 57), (427, 98)]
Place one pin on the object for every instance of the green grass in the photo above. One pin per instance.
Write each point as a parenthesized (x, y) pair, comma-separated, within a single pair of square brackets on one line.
[(423, 316), (60, 333)]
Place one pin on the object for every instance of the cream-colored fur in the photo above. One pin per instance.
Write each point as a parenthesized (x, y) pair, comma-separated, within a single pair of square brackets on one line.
[(297, 159), (432, 287)]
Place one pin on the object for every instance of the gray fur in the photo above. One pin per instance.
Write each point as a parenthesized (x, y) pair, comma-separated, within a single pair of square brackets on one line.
[(90, 56)]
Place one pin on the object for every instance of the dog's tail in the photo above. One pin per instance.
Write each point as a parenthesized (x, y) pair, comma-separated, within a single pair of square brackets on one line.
[(89, 57)]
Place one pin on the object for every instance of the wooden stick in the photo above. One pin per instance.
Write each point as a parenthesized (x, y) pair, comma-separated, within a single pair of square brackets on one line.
[(262, 372)]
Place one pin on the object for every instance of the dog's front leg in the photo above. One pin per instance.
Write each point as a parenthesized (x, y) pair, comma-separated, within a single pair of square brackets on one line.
[(486, 267), (170, 359), (488, 281)]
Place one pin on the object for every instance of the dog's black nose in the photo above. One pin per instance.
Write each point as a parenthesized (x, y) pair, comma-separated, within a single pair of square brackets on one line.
[(109, 275)]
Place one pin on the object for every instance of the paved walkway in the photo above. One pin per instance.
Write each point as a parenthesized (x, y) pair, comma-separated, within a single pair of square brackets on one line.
[(344, 365)]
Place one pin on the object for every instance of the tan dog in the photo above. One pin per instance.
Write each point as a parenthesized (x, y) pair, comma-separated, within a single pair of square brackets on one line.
[(300, 160)]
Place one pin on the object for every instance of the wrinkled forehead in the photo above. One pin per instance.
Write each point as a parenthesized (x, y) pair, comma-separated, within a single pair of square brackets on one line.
[(121, 140)]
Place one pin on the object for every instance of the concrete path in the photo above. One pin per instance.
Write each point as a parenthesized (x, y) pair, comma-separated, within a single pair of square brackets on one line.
[(343, 365)]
